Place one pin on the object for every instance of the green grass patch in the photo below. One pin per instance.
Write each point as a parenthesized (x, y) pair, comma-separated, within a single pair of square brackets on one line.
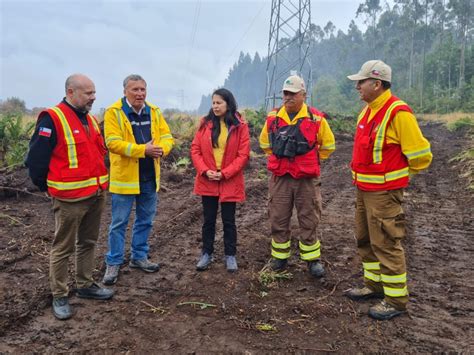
[(268, 277), (462, 123)]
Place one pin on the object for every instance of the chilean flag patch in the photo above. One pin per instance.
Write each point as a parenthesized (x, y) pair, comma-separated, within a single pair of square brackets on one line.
[(45, 132)]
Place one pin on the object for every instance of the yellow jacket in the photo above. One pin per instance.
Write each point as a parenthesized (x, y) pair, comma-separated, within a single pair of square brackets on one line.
[(404, 130), (325, 136), (125, 152)]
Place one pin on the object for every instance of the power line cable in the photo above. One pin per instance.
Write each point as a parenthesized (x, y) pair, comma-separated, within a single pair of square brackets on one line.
[(246, 31)]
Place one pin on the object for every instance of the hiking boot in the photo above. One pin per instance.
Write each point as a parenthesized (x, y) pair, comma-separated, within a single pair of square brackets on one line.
[(384, 311), (144, 265), (204, 262), (278, 264), (364, 293), (231, 263), (61, 308), (111, 274), (315, 268), (95, 292)]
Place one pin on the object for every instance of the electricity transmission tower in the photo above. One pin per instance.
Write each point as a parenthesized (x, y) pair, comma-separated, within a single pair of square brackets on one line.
[(289, 47)]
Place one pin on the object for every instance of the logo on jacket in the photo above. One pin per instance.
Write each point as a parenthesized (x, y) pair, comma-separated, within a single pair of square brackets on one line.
[(45, 132)]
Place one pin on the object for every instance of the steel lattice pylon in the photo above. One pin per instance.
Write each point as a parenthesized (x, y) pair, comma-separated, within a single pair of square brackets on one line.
[(289, 27)]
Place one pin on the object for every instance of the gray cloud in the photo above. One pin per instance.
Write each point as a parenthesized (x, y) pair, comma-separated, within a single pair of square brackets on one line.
[(42, 42)]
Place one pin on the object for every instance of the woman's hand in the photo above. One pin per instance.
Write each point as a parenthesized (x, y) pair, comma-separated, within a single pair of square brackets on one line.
[(214, 175)]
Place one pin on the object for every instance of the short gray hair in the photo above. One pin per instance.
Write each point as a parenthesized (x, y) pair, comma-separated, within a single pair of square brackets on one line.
[(71, 81), (132, 77)]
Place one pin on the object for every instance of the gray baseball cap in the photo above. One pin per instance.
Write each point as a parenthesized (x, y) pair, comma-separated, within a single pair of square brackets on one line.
[(375, 69)]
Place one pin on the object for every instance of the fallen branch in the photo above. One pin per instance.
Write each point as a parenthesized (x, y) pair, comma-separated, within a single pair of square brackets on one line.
[(154, 309), (202, 305), (24, 191), (14, 220), (332, 291)]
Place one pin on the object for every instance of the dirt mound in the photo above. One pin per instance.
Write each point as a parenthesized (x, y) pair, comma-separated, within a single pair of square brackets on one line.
[(181, 310)]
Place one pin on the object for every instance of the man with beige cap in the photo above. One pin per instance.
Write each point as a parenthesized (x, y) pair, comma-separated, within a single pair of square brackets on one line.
[(389, 148), (295, 137)]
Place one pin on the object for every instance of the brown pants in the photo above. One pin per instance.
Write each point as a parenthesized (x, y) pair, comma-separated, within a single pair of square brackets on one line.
[(304, 194), (380, 228), (76, 229)]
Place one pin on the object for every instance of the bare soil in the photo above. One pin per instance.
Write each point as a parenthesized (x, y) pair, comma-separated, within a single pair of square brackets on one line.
[(155, 312)]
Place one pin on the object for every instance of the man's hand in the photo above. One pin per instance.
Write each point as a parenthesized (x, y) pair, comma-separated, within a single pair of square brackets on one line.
[(153, 151), (214, 175)]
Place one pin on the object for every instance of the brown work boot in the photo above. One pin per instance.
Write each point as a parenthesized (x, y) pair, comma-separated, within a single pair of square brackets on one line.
[(384, 311), (364, 293)]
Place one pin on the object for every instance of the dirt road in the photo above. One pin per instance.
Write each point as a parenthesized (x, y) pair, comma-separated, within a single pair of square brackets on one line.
[(155, 313)]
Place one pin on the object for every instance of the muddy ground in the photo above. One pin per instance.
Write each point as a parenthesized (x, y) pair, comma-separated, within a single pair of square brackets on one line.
[(150, 313)]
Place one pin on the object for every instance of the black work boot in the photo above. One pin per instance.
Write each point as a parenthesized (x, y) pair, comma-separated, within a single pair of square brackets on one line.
[(95, 292), (315, 268), (278, 264)]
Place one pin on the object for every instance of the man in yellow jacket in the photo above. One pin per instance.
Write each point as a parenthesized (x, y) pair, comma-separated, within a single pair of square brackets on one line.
[(389, 148), (295, 138), (137, 136)]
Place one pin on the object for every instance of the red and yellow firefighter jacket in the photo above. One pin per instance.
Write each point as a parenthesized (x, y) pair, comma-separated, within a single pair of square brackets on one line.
[(388, 145), (317, 132), (76, 169)]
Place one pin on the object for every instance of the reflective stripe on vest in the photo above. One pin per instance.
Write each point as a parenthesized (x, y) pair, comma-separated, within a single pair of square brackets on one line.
[(362, 114), (64, 186), (71, 144), (380, 179), (94, 123), (381, 131)]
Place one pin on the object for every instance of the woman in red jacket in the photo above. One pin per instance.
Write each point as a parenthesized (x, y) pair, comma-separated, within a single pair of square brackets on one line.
[(220, 151)]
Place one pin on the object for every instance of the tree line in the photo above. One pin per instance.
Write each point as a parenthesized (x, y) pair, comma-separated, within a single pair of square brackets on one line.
[(428, 44)]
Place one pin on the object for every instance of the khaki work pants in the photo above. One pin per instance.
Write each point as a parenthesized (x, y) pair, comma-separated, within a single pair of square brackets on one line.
[(304, 194), (380, 228), (76, 229)]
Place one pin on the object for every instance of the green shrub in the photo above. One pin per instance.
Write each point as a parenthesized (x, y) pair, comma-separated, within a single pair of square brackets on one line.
[(14, 137), (255, 119), (342, 124)]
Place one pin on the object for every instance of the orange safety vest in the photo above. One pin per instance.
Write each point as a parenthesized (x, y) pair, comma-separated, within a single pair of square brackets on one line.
[(304, 165), (377, 165), (77, 167)]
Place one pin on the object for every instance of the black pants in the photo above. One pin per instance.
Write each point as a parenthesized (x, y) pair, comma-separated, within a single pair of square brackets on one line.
[(210, 205)]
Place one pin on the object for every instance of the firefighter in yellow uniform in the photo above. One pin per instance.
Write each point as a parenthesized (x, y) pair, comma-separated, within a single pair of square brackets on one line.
[(389, 148), (295, 137)]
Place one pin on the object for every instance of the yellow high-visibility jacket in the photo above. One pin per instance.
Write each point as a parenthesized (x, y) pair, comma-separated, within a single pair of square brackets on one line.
[(404, 130), (125, 152)]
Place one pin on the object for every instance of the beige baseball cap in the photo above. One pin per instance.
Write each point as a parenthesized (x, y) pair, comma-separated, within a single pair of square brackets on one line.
[(375, 69), (294, 84)]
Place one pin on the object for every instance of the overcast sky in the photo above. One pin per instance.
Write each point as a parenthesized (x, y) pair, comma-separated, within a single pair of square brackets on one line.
[(183, 49)]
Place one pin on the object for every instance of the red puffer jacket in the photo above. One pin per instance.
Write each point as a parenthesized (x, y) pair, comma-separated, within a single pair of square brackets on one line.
[(231, 187)]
